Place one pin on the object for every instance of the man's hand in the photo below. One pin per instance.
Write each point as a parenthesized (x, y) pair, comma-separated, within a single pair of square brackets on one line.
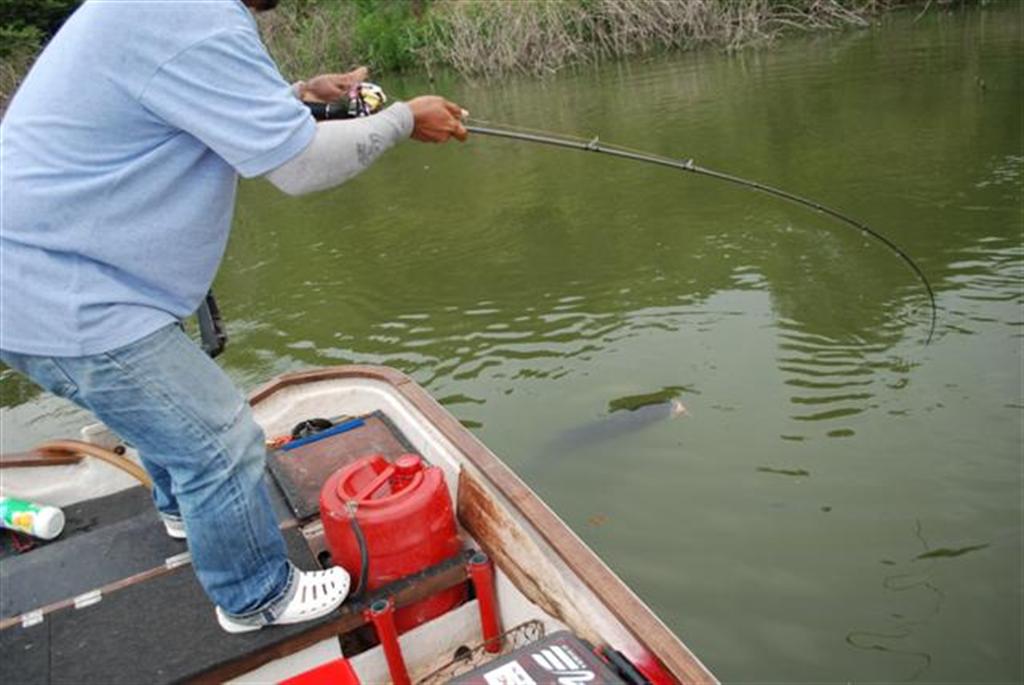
[(330, 87), (435, 119)]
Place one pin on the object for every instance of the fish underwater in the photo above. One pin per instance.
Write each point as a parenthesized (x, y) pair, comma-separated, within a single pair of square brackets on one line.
[(625, 415)]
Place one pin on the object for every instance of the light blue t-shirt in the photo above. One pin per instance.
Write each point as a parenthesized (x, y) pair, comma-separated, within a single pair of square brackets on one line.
[(119, 159)]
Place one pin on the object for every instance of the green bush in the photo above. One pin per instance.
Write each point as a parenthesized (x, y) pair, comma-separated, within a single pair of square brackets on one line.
[(45, 15), (26, 24), (17, 41), (311, 36), (388, 33)]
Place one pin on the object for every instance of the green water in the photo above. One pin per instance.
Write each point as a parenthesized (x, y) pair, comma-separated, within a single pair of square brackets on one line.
[(840, 503)]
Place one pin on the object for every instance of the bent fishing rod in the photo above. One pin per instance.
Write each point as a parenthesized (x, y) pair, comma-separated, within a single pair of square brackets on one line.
[(594, 145), (365, 99)]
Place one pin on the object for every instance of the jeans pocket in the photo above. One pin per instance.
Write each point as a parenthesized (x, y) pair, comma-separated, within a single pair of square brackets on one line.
[(223, 421), (215, 399), (64, 386), (180, 374)]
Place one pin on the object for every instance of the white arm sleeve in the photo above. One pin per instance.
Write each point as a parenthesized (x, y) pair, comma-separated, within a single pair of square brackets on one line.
[(341, 149)]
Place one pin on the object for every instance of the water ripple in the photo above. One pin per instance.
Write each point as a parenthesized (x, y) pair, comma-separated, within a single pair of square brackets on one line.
[(835, 379)]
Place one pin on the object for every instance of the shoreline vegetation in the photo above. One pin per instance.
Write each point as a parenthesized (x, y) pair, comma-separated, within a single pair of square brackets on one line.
[(483, 38), (495, 38)]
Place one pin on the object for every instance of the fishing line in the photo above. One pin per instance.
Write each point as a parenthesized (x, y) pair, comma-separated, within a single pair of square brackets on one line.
[(595, 145)]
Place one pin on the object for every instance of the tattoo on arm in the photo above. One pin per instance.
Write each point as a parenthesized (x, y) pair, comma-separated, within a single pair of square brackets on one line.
[(370, 150)]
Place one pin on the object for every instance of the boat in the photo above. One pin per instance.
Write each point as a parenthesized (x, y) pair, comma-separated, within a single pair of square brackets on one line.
[(112, 600)]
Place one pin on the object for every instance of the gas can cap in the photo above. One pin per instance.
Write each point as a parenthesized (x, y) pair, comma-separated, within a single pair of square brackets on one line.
[(408, 465)]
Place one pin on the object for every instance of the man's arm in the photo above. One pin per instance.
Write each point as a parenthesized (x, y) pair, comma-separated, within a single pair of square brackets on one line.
[(342, 149)]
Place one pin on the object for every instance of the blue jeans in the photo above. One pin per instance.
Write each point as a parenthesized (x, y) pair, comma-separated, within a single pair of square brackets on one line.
[(198, 440)]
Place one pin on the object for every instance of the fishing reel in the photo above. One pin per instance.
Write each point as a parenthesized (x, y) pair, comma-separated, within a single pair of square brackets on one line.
[(362, 100)]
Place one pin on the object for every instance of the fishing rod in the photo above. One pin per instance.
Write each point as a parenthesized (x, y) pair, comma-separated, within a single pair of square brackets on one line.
[(594, 145), (365, 99)]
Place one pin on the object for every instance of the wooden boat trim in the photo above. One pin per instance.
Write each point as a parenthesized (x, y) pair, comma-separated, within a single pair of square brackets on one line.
[(37, 457), (623, 603), (116, 460)]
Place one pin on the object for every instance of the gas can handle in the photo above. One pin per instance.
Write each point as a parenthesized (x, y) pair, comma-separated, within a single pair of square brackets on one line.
[(375, 484)]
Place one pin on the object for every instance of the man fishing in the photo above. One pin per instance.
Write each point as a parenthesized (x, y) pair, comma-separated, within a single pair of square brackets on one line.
[(121, 153)]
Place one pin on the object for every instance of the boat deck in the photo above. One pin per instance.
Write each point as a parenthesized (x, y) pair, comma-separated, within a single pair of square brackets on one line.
[(149, 622), (114, 599)]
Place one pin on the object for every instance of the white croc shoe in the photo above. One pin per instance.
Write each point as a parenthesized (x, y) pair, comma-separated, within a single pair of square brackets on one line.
[(175, 528), (317, 593)]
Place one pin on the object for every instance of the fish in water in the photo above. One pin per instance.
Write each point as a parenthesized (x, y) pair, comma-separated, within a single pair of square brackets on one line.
[(626, 415)]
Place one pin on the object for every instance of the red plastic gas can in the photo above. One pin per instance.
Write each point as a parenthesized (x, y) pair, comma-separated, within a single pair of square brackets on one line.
[(406, 516)]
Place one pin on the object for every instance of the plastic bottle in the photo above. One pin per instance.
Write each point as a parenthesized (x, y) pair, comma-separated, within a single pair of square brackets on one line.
[(39, 520)]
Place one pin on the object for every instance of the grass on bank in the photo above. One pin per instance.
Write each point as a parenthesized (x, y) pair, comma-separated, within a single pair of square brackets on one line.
[(497, 37)]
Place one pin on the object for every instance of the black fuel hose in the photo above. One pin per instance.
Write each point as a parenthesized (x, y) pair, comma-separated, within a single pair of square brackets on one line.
[(364, 552), (688, 165)]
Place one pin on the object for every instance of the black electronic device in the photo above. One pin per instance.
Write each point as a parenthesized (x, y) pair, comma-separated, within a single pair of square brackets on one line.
[(558, 659)]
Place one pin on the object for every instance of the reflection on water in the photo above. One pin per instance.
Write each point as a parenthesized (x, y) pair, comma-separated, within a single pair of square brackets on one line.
[(531, 288), (947, 552), (890, 641), (834, 379), (784, 472), (900, 635)]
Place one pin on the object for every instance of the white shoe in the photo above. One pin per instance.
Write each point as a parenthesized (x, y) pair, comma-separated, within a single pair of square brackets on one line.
[(175, 528), (317, 594)]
